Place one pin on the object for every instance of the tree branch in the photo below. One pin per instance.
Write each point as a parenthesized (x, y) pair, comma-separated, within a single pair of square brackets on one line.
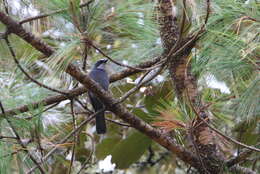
[(73, 132), (155, 134), (52, 13), (120, 111), (241, 157), (241, 170), (78, 91), (19, 140)]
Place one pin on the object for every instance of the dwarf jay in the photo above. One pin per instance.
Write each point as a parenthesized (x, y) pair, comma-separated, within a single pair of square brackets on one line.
[(98, 73)]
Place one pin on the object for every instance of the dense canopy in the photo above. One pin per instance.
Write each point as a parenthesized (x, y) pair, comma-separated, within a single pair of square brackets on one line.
[(184, 87)]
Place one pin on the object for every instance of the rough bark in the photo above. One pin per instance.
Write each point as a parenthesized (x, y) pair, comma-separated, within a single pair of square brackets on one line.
[(78, 91), (186, 84), (120, 111), (165, 140)]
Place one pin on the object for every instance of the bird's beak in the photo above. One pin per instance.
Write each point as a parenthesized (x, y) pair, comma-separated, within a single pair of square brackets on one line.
[(105, 61)]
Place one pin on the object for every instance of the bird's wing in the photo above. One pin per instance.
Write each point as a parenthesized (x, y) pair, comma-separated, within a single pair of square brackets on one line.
[(100, 77)]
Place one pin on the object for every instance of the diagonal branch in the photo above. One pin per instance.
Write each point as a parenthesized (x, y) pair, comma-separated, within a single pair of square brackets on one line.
[(241, 157), (19, 140), (241, 170), (72, 133), (25, 73), (78, 91), (119, 110), (52, 13)]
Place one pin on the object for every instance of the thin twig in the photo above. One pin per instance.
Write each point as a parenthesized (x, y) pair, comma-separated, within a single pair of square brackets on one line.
[(116, 62), (83, 105), (19, 140), (212, 128), (26, 74), (90, 155), (2, 137), (230, 138), (12, 153), (75, 136), (241, 170), (6, 6), (118, 123), (141, 83), (48, 108), (66, 138), (52, 13), (207, 14), (85, 57), (78, 91), (165, 140), (242, 156)]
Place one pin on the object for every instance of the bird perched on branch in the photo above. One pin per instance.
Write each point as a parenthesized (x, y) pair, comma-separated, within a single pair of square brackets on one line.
[(99, 74)]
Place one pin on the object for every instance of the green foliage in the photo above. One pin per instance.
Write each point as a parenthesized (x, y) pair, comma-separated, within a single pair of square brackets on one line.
[(129, 150), (248, 105), (158, 93), (5, 160), (128, 30), (106, 146)]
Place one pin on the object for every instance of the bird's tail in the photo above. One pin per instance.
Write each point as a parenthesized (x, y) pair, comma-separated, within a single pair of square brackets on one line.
[(100, 123)]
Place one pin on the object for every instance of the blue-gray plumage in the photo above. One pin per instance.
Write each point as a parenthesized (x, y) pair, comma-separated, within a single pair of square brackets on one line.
[(98, 73)]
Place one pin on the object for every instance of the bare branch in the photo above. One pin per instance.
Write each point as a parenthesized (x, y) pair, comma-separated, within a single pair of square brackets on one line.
[(78, 91), (28, 75), (75, 136), (52, 13), (140, 84), (66, 138), (241, 157), (164, 140), (91, 153), (128, 117), (19, 140), (230, 138), (116, 62), (118, 123), (241, 170)]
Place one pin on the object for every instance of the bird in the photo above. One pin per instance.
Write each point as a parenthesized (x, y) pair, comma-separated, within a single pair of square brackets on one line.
[(99, 74)]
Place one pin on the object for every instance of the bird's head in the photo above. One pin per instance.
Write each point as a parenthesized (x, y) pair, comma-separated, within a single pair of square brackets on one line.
[(100, 64)]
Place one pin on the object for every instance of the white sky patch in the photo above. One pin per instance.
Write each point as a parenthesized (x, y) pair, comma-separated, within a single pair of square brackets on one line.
[(15, 6), (158, 41), (250, 1), (125, 62), (129, 80), (44, 66), (109, 46), (62, 44), (106, 165), (141, 18), (174, 9), (212, 82), (112, 9), (142, 89), (54, 33), (69, 26), (63, 103), (91, 129), (52, 118), (134, 46), (32, 11), (158, 79), (24, 12), (69, 156)]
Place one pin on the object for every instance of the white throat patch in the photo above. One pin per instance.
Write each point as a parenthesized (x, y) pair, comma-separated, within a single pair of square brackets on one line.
[(102, 66)]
